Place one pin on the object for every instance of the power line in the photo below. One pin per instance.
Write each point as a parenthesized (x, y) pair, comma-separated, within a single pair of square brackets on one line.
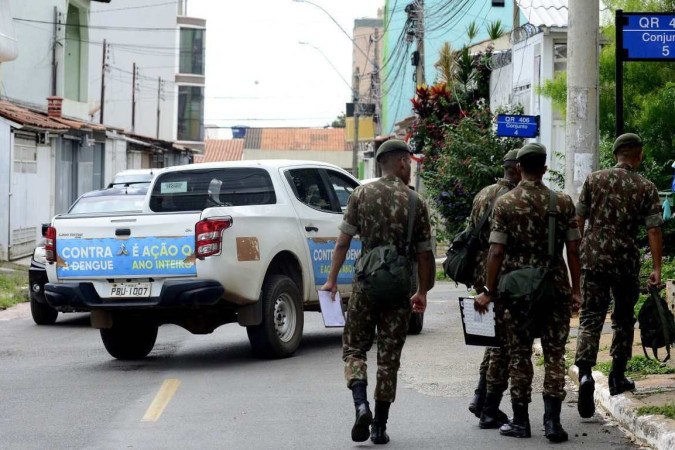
[(96, 27), (134, 7)]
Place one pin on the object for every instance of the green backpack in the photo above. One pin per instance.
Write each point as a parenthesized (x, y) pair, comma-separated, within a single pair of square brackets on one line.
[(657, 326), (384, 274)]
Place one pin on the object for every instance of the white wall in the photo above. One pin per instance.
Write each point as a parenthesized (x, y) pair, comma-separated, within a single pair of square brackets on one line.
[(115, 157), (156, 55), (340, 159), (5, 177)]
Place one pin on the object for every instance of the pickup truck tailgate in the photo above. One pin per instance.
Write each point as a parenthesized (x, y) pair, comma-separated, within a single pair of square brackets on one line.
[(124, 247)]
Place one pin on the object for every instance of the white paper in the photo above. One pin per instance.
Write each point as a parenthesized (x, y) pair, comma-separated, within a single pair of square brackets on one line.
[(331, 310), (478, 324)]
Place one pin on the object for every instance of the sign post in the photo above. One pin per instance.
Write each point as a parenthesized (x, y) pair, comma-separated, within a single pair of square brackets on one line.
[(517, 126), (641, 36)]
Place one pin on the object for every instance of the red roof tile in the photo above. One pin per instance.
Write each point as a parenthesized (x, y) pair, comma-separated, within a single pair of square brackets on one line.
[(318, 139), (221, 150), (25, 116)]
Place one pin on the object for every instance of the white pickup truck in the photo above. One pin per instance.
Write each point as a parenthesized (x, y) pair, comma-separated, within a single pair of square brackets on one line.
[(215, 243)]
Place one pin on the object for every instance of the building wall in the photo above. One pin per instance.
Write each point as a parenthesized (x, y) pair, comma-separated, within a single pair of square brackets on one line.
[(156, 55), (5, 178), (340, 159), (35, 55), (398, 86)]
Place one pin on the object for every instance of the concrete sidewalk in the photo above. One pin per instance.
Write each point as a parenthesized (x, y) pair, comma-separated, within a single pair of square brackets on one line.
[(657, 431)]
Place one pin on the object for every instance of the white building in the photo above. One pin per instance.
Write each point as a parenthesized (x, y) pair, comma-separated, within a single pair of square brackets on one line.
[(167, 48)]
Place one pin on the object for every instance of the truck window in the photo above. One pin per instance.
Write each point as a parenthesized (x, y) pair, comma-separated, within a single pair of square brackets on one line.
[(310, 189), (342, 185), (195, 190)]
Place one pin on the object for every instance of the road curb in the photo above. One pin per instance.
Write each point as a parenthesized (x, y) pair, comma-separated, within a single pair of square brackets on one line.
[(653, 430)]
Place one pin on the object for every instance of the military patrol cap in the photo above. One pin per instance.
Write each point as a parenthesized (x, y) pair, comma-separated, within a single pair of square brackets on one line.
[(532, 148), (392, 145), (511, 155), (626, 140)]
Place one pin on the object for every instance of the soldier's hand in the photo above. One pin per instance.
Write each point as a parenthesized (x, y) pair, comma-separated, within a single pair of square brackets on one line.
[(576, 301), (655, 278), (481, 303), (419, 302), (330, 286)]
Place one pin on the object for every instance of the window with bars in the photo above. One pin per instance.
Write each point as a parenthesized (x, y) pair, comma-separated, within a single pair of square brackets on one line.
[(25, 156)]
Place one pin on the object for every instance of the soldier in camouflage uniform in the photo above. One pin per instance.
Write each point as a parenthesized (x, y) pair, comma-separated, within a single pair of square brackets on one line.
[(615, 202), (494, 369), (378, 213), (519, 239)]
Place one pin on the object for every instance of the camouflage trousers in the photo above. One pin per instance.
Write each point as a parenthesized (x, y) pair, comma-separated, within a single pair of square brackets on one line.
[(596, 287), (365, 321), (495, 364), (554, 324)]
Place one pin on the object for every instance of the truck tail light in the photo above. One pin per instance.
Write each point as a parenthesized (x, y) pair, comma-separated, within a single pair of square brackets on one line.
[(209, 236), (50, 244)]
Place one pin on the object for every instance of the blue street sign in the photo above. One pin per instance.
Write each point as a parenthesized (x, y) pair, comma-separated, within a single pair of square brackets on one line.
[(517, 126), (648, 36)]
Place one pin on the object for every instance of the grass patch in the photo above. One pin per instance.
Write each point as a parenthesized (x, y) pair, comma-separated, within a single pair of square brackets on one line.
[(13, 288), (638, 366), (667, 410), (440, 275), (540, 361)]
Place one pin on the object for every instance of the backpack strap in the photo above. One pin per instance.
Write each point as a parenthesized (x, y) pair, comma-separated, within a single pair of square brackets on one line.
[(476, 231), (412, 204), (552, 216)]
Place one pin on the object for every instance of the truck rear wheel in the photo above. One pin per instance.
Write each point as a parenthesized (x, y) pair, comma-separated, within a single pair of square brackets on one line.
[(129, 338), (279, 334), (42, 313)]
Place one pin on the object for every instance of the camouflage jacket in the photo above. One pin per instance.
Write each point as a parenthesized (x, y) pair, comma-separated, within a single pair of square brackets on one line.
[(520, 222), (616, 202), (378, 213), (480, 205)]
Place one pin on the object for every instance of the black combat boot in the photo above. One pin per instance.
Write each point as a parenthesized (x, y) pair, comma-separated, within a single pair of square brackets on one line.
[(361, 428), (378, 433), (617, 380), (586, 404), (492, 416), (519, 426), (478, 401), (553, 430)]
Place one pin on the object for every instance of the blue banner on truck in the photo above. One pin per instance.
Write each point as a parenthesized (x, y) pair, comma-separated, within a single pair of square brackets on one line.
[(114, 258), (321, 253)]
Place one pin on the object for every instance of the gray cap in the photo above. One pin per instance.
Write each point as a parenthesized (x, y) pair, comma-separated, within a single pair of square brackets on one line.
[(627, 140), (392, 145), (511, 155), (532, 148)]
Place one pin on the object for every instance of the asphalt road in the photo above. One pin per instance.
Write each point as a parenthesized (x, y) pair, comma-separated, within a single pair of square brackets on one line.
[(61, 389)]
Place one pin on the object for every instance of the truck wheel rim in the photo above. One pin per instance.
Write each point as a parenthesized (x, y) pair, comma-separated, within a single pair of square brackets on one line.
[(284, 317)]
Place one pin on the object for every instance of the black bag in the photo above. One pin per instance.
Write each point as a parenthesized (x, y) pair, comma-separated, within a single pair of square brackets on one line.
[(657, 325), (525, 288), (460, 260), (383, 272)]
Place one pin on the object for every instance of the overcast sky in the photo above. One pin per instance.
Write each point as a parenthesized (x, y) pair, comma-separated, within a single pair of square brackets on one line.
[(255, 68)]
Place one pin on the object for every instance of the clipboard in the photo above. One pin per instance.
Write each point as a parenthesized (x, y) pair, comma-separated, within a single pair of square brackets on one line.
[(331, 310), (479, 329)]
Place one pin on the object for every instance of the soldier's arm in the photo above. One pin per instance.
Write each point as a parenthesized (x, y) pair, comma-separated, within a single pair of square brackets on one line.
[(424, 256), (656, 247), (583, 206), (652, 213), (495, 259), (339, 255)]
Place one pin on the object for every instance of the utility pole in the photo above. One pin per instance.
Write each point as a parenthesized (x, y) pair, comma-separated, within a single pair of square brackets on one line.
[(581, 154), (376, 82), (159, 99), (419, 34), (55, 40), (355, 100), (103, 68), (133, 100)]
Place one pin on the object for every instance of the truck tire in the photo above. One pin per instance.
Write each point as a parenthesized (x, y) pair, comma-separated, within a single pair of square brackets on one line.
[(129, 338), (280, 332), (416, 323), (42, 313)]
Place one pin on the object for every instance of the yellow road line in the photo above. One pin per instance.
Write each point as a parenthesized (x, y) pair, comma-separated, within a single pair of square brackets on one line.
[(163, 397)]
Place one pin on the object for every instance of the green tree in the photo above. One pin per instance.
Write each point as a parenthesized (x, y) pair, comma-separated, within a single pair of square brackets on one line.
[(340, 121)]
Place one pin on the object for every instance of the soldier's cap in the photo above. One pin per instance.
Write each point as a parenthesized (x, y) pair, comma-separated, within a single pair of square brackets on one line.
[(511, 156), (392, 145), (532, 148), (627, 140)]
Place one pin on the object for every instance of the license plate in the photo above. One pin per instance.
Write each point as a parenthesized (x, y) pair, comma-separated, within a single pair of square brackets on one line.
[(130, 290)]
